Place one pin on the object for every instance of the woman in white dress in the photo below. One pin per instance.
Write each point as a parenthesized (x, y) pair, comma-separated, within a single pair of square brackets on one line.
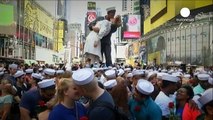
[(92, 48)]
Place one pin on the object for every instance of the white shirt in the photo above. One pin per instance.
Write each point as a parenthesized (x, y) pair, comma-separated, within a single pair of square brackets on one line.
[(162, 100)]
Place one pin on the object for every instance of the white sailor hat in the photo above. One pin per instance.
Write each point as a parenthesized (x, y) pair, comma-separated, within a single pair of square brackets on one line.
[(164, 71), (59, 71), (206, 97), (203, 77), (105, 68), (127, 69), (37, 76), (94, 69), (109, 67), (170, 71), (110, 84), (49, 71), (196, 73), (18, 74), (110, 74), (29, 71), (1, 73), (180, 70), (160, 74), (187, 76), (13, 66), (102, 79), (40, 69), (46, 83), (177, 74), (210, 80), (110, 9), (170, 78), (145, 87), (83, 76), (1, 69), (100, 69), (138, 72), (120, 72), (129, 75), (150, 74), (114, 68), (203, 72)]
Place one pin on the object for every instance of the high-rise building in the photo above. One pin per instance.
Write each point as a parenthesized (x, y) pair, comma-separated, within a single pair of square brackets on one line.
[(127, 6), (74, 39), (98, 12)]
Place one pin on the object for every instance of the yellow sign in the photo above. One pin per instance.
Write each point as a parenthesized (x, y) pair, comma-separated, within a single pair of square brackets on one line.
[(37, 20), (154, 56), (58, 35), (135, 48), (60, 29)]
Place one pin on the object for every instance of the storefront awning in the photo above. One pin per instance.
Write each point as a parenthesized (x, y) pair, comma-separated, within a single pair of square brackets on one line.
[(29, 61)]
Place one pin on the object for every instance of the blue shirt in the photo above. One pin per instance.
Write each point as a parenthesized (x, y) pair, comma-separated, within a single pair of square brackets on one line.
[(96, 112), (60, 112), (149, 110), (30, 101)]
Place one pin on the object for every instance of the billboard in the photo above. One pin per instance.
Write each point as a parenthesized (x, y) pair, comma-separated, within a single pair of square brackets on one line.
[(91, 16), (91, 5), (7, 23), (157, 48), (131, 26), (37, 20)]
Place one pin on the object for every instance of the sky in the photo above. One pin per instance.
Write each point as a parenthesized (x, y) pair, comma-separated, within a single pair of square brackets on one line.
[(78, 9)]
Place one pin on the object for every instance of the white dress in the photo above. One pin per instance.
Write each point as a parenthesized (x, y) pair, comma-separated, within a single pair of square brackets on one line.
[(105, 27)]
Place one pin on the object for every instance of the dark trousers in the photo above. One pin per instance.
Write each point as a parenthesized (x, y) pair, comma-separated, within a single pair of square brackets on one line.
[(106, 50)]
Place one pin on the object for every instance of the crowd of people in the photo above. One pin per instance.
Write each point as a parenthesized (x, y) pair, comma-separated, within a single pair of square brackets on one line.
[(85, 92), (94, 91)]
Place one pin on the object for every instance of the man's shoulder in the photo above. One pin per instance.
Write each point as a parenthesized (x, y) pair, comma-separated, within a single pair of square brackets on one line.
[(31, 94)]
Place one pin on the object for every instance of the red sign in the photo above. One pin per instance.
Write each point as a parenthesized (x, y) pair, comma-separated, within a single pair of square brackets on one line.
[(132, 34), (91, 16)]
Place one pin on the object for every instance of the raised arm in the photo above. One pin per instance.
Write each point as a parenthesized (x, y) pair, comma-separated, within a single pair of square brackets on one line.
[(93, 23)]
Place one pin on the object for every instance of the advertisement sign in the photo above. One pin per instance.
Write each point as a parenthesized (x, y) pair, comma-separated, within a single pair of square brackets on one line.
[(91, 16), (135, 48), (7, 24), (132, 26), (6, 13), (158, 44), (91, 6), (154, 57), (37, 20), (60, 29), (143, 52)]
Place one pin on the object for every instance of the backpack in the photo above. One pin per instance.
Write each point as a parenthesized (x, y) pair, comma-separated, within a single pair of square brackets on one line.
[(119, 113)]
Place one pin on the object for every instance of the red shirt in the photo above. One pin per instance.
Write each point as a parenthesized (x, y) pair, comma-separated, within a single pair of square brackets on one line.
[(189, 114)]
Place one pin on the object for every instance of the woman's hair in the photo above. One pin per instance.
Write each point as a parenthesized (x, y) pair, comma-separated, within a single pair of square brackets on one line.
[(120, 96), (117, 21), (7, 86), (66, 74), (63, 86), (189, 91)]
